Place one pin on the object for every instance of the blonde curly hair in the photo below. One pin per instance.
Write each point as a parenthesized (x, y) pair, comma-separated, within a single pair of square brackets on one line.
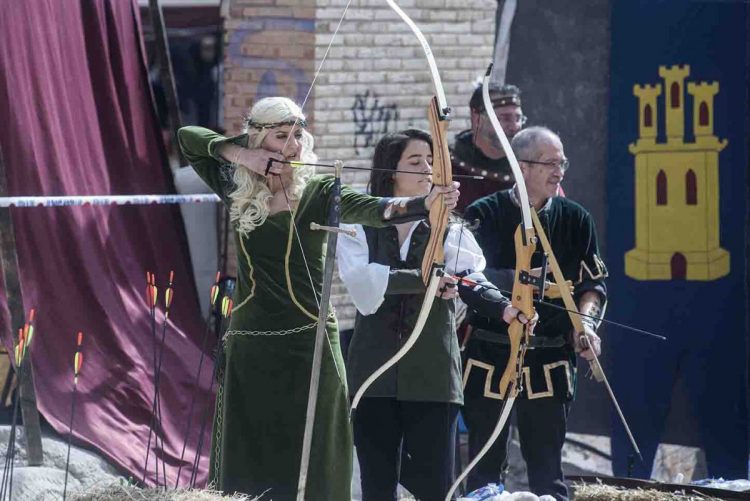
[(250, 198)]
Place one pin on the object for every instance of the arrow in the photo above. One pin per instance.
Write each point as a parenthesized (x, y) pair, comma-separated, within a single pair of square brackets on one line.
[(152, 295), (77, 364), (226, 312), (211, 307), (25, 336)]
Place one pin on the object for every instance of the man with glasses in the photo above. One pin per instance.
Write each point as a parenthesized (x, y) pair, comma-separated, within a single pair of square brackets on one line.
[(478, 152), (549, 371)]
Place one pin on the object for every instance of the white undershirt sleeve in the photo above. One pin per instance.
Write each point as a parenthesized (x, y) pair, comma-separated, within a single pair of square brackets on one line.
[(461, 242), (365, 281)]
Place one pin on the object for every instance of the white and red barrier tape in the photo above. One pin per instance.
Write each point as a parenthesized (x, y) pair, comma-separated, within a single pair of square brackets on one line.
[(73, 201)]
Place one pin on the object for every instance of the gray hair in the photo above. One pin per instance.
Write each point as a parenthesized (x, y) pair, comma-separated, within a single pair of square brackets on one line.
[(525, 144)]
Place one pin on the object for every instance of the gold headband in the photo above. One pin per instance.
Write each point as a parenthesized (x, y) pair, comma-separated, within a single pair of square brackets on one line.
[(257, 125), (512, 100)]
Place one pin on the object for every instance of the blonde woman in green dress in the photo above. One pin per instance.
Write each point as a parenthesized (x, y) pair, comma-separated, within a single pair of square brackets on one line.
[(262, 397)]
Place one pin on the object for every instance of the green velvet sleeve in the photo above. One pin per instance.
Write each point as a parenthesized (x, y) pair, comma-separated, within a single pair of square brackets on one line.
[(364, 209), (360, 208), (199, 146)]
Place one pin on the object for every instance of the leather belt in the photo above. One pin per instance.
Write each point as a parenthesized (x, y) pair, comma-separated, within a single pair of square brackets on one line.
[(534, 341)]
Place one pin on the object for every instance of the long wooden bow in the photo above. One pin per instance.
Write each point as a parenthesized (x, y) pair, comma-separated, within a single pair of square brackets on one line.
[(578, 327), (522, 298), (433, 262)]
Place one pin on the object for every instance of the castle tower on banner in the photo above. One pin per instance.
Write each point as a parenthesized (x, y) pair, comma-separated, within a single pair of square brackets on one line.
[(676, 184)]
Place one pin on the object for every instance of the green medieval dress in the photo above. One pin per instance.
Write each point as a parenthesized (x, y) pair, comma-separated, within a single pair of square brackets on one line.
[(262, 397)]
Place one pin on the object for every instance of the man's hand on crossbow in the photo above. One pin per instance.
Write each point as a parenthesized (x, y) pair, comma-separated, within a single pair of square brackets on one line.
[(586, 341), (512, 313)]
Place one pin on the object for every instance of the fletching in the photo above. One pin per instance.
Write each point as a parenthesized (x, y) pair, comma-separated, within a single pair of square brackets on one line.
[(226, 306), (78, 358), (149, 300), (77, 363), (22, 343), (30, 335)]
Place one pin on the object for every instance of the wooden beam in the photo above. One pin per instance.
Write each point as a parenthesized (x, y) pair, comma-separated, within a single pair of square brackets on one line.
[(12, 283), (503, 22), (163, 59)]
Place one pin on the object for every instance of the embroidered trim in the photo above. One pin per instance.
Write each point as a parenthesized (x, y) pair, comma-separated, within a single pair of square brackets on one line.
[(490, 370), (395, 206), (292, 215), (284, 332), (488, 378), (548, 379), (250, 276), (601, 270), (482, 172)]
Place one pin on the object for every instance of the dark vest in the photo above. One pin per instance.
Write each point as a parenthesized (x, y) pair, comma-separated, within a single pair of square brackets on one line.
[(431, 370)]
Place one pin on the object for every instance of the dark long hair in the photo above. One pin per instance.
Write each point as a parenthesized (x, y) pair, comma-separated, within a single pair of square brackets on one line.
[(388, 152)]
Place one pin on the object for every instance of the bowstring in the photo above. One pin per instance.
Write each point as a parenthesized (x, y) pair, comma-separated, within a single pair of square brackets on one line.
[(295, 229), (286, 143), (307, 268), (317, 73)]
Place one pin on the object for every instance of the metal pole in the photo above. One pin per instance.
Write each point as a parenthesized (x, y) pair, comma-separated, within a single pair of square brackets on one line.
[(503, 22)]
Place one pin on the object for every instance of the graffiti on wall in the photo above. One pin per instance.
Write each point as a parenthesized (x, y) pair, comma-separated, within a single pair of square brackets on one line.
[(249, 48), (372, 119)]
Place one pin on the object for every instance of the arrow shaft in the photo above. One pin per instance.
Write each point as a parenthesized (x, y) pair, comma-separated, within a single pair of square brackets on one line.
[(352, 167), (561, 308)]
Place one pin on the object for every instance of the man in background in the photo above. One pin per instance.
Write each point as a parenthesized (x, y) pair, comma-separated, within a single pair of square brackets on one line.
[(478, 152)]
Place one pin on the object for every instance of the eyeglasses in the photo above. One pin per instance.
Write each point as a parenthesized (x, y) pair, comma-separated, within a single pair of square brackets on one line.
[(512, 118), (563, 165)]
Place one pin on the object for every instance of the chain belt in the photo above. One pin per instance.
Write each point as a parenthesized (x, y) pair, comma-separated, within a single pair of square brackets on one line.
[(284, 332)]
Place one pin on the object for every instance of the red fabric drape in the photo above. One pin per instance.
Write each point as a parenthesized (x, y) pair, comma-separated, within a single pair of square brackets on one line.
[(76, 117)]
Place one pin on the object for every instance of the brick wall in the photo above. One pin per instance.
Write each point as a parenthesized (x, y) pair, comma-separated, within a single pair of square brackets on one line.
[(374, 80), (269, 51)]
